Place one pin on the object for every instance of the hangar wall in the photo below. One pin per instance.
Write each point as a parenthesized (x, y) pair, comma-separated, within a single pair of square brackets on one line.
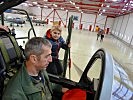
[(122, 28), (59, 15)]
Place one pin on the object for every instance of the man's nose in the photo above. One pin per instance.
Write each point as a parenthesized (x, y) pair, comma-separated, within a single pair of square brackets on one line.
[(50, 59)]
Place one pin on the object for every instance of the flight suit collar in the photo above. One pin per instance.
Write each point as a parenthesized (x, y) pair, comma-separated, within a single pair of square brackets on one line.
[(27, 84)]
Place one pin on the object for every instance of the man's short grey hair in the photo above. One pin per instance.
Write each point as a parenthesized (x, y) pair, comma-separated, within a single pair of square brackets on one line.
[(34, 46)]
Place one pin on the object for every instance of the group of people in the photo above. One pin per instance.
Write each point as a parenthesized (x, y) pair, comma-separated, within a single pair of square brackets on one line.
[(100, 34), (31, 82)]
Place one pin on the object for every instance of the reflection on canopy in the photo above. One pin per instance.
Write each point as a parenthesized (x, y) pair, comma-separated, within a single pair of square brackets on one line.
[(122, 86)]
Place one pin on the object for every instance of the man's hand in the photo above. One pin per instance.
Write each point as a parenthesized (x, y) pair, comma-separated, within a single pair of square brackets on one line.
[(64, 90)]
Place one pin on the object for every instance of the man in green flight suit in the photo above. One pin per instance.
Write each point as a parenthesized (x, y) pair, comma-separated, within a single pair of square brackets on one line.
[(31, 82)]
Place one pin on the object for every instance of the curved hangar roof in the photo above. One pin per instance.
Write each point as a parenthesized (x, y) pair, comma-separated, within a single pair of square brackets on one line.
[(110, 8)]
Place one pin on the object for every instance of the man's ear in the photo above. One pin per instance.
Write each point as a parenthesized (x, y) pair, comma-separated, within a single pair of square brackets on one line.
[(33, 58)]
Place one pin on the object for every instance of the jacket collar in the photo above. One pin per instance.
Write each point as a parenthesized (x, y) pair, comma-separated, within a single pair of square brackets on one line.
[(26, 82)]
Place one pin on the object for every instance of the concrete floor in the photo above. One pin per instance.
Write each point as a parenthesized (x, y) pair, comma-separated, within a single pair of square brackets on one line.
[(83, 46)]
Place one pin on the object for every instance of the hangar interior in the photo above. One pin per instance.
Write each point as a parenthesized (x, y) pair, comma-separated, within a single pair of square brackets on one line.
[(115, 17)]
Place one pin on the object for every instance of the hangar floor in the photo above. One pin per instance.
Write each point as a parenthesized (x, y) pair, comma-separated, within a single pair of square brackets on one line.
[(83, 46)]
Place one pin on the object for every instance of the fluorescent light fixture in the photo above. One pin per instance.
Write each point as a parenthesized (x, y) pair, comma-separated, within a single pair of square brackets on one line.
[(62, 8), (125, 0), (104, 10), (45, 6), (54, 5), (131, 1), (35, 2), (108, 6), (115, 0), (70, 2), (127, 4), (77, 7), (123, 9), (73, 3)]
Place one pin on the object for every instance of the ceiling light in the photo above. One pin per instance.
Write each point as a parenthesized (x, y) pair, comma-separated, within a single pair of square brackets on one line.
[(108, 6), (70, 2), (123, 9), (73, 3), (35, 2), (115, 0), (131, 1), (45, 6), (125, 0), (119, 0), (104, 10), (62, 8), (127, 4), (77, 7), (55, 5)]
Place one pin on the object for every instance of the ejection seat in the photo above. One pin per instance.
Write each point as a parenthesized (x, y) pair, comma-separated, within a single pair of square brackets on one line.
[(11, 56)]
